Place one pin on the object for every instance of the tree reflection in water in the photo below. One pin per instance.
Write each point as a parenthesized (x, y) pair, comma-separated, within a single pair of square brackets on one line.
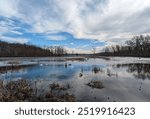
[(139, 70)]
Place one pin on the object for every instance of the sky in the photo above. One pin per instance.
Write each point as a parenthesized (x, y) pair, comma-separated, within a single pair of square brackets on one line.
[(77, 25)]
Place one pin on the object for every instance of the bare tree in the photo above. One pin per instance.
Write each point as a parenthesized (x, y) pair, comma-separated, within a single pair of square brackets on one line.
[(94, 50), (138, 46)]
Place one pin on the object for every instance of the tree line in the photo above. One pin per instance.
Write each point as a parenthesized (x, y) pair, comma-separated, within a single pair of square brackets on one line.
[(138, 46), (24, 50), (57, 50)]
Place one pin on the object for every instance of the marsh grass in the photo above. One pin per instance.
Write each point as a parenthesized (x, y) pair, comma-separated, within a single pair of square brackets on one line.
[(96, 70), (56, 86), (14, 67), (76, 59), (22, 90), (96, 84), (13, 62)]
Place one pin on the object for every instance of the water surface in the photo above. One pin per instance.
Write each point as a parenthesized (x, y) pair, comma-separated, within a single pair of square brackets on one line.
[(124, 79)]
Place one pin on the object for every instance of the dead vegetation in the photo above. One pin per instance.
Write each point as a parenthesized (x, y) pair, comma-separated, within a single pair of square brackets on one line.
[(76, 59), (13, 62), (96, 70), (22, 90), (56, 86), (101, 57), (14, 67), (96, 84), (16, 91)]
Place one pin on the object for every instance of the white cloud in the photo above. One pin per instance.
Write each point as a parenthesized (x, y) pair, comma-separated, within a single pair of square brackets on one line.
[(8, 26), (113, 21), (56, 37), (16, 32), (12, 40), (78, 50), (8, 8)]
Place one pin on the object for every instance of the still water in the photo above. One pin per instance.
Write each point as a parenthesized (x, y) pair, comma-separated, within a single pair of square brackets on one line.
[(124, 79)]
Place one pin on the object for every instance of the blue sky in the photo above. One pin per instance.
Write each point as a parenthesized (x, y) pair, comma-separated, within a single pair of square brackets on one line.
[(77, 25)]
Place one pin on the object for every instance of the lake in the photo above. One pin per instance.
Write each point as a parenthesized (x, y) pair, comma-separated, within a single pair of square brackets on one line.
[(122, 79)]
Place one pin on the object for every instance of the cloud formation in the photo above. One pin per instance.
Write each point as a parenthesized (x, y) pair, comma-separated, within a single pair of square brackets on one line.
[(110, 21)]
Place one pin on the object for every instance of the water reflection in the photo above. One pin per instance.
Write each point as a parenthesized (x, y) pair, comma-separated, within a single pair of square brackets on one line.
[(139, 71), (69, 70), (90, 80)]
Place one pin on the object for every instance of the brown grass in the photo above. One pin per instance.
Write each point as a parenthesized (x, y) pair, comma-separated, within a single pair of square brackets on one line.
[(22, 90), (75, 59), (96, 84)]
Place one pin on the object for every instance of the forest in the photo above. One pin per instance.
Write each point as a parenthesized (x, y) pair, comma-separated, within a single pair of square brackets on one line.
[(138, 46), (24, 50)]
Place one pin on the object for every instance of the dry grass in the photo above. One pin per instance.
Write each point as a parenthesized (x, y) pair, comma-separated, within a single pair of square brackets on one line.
[(97, 69), (14, 67), (22, 90), (56, 86), (96, 84), (14, 62), (75, 59)]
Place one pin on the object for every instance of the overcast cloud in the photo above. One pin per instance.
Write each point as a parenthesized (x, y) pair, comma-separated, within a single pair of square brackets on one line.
[(110, 21)]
